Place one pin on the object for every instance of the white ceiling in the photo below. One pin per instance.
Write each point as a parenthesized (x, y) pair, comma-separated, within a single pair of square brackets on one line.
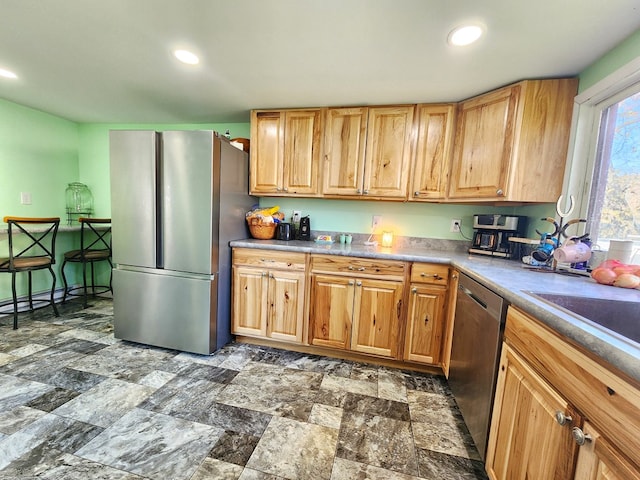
[(110, 60)]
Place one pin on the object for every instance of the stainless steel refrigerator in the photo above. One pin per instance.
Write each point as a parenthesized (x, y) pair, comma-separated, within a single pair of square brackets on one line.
[(177, 199)]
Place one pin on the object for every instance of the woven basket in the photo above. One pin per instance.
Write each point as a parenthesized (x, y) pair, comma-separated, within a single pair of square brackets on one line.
[(261, 231)]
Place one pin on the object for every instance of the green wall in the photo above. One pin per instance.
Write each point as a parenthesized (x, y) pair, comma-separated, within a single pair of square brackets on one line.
[(93, 153), (39, 155), (619, 56)]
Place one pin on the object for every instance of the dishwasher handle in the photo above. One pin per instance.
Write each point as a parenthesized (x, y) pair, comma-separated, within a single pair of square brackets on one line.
[(470, 294)]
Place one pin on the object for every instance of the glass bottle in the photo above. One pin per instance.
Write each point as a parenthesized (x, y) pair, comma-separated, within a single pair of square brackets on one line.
[(79, 200)]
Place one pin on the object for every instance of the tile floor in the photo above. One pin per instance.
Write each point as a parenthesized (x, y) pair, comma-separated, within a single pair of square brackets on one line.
[(77, 404)]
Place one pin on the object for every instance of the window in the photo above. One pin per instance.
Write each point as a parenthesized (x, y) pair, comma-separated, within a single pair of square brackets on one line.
[(614, 204), (603, 171)]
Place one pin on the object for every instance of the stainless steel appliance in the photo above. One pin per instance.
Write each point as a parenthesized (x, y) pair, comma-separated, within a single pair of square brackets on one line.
[(492, 233), (475, 351), (177, 199)]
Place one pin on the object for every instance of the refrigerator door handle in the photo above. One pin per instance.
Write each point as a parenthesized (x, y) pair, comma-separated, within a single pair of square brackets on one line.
[(159, 194)]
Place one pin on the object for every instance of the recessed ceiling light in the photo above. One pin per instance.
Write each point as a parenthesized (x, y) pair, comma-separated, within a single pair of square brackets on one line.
[(187, 57), (7, 73), (465, 35)]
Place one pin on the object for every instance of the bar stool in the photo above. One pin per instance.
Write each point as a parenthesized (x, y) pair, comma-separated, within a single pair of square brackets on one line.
[(95, 246), (37, 254)]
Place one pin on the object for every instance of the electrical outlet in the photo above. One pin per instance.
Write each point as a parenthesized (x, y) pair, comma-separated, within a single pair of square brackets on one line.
[(297, 214), (376, 220), (455, 225), (25, 198)]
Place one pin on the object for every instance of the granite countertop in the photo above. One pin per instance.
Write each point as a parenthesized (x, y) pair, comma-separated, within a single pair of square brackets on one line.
[(4, 229), (512, 280)]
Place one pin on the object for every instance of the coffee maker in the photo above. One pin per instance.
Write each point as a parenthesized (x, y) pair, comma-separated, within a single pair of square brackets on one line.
[(305, 229), (492, 232)]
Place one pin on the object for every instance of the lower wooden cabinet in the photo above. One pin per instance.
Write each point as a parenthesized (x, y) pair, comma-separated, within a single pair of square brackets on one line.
[(268, 295), (526, 439), (331, 311), (560, 413), (427, 317), (354, 305), (424, 324), (599, 460)]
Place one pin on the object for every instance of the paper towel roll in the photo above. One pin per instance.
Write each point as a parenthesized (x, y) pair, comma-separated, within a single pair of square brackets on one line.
[(621, 250)]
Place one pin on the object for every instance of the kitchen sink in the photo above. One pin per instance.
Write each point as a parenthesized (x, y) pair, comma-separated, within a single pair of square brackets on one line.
[(619, 316)]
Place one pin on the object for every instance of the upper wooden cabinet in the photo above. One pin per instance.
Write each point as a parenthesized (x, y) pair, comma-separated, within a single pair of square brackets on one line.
[(511, 144), (434, 146), (286, 149), (368, 152), (344, 143)]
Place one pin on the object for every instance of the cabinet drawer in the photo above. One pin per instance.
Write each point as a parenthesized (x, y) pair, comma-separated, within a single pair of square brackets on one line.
[(433, 274), (356, 266), (269, 259), (607, 400)]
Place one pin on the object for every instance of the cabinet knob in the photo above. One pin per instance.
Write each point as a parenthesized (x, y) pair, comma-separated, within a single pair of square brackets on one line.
[(562, 419), (361, 269), (350, 282), (358, 191), (579, 436), (286, 189), (271, 275), (366, 192), (499, 192), (278, 189), (454, 276), (350, 267), (359, 284), (414, 290), (264, 274), (416, 194)]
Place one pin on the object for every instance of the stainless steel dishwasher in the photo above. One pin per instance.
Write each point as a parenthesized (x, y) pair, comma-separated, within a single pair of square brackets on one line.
[(475, 350)]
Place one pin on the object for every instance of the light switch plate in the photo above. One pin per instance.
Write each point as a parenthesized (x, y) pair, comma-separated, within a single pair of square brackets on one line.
[(25, 198)]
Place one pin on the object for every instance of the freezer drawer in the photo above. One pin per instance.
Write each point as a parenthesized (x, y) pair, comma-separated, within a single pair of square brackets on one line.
[(165, 310)]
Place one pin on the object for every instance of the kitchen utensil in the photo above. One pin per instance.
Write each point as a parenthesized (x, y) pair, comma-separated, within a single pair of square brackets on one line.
[(621, 250), (572, 253)]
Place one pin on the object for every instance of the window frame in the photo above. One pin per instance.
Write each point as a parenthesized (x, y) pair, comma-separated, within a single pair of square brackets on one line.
[(583, 142)]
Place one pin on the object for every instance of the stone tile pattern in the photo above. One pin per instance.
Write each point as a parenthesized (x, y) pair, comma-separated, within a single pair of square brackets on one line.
[(75, 403)]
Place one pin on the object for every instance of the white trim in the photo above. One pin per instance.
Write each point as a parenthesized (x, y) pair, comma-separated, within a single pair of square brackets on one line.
[(613, 83), (588, 106)]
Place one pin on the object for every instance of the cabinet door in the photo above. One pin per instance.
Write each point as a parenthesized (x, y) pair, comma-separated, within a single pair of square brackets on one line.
[(267, 152), (302, 151), (425, 324), (249, 301), (525, 440), (389, 150), (434, 147), (285, 306), (376, 317), (447, 334), (599, 460), (331, 310), (484, 143), (345, 138)]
